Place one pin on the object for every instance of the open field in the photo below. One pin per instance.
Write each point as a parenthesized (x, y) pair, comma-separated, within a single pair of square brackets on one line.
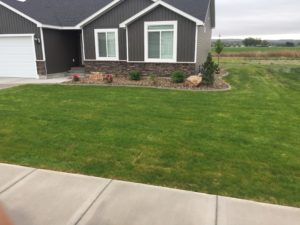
[(242, 143), (260, 49), (259, 52)]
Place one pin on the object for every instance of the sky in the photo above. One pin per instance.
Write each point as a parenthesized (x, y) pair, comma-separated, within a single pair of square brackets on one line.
[(266, 19)]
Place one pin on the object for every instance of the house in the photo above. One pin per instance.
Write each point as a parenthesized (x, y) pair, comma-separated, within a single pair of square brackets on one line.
[(40, 37)]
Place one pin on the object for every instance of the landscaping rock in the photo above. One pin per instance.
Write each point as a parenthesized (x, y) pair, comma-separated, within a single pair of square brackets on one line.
[(158, 82), (96, 76), (194, 81)]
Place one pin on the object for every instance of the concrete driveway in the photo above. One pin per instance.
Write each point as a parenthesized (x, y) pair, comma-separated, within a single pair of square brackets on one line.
[(7, 82), (42, 197)]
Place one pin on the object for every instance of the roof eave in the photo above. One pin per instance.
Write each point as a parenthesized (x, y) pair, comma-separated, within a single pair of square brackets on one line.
[(21, 14)]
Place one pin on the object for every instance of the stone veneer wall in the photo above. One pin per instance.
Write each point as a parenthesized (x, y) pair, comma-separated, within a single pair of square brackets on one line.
[(41, 68), (123, 68)]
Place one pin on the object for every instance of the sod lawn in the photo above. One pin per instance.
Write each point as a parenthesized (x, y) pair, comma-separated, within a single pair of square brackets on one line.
[(242, 143)]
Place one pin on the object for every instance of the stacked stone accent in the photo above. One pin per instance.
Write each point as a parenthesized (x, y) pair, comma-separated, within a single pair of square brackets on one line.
[(123, 68), (41, 68)]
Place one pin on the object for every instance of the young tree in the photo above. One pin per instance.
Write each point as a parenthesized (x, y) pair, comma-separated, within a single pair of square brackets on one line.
[(219, 48), (208, 71)]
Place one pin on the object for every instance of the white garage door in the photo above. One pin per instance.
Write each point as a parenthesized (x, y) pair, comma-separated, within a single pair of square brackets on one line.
[(17, 56)]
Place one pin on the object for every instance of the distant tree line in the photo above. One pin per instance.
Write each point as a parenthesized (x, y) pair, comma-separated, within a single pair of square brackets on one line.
[(253, 42), (289, 44)]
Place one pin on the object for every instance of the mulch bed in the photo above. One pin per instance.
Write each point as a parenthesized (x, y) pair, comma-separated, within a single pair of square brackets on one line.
[(157, 82)]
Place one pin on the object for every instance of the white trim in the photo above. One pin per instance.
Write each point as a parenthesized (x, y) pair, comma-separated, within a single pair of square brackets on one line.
[(43, 44), (82, 46), (196, 44), (127, 45), (175, 31), (34, 53), (134, 17), (161, 62), (168, 6), (20, 13), (107, 7), (116, 31), (60, 27), (99, 12), (16, 35)]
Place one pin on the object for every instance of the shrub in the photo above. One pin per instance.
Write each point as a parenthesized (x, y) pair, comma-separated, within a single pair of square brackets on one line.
[(153, 79), (108, 78), (208, 71), (135, 75), (76, 77), (178, 77)]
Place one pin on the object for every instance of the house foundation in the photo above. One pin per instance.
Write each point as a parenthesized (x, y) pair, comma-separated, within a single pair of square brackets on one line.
[(123, 68)]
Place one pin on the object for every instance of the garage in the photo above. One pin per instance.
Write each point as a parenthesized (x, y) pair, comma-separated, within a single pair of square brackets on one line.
[(17, 56)]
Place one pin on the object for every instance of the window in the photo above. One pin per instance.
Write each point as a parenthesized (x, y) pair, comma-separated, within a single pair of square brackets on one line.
[(161, 41), (106, 44)]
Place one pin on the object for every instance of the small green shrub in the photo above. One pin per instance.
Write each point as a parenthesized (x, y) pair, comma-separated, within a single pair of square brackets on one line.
[(208, 70), (178, 77), (134, 75)]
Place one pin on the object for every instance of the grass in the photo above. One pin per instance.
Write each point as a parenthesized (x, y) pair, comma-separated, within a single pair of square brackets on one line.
[(261, 49), (242, 143)]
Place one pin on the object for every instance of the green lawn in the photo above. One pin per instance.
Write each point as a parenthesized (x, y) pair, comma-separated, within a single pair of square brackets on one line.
[(242, 143)]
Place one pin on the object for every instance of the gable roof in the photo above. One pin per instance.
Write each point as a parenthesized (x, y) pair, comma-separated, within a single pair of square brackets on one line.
[(71, 13), (166, 5), (196, 8)]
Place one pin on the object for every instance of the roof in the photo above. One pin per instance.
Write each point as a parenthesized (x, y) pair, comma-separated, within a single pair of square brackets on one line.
[(196, 8), (69, 13), (58, 12)]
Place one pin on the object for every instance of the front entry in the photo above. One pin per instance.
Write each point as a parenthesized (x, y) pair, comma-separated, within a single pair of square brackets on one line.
[(63, 50)]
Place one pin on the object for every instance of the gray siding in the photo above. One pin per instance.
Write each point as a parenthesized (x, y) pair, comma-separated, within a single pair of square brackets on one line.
[(12, 23), (185, 39), (112, 19), (62, 49), (204, 41)]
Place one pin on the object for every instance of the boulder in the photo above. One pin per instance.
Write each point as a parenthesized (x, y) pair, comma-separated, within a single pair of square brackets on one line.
[(95, 76), (194, 81)]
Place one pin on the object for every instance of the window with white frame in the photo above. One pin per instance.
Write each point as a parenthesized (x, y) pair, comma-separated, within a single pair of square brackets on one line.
[(161, 41), (106, 44)]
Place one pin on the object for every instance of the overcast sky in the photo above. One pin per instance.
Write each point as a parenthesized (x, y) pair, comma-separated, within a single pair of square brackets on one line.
[(270, 19)]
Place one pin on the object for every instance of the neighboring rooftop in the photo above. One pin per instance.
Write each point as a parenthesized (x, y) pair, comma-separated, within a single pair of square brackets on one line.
[(72, 12)]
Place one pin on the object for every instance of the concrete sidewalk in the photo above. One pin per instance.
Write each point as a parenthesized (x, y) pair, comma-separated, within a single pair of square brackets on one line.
[(8, 82), (41, 197)]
